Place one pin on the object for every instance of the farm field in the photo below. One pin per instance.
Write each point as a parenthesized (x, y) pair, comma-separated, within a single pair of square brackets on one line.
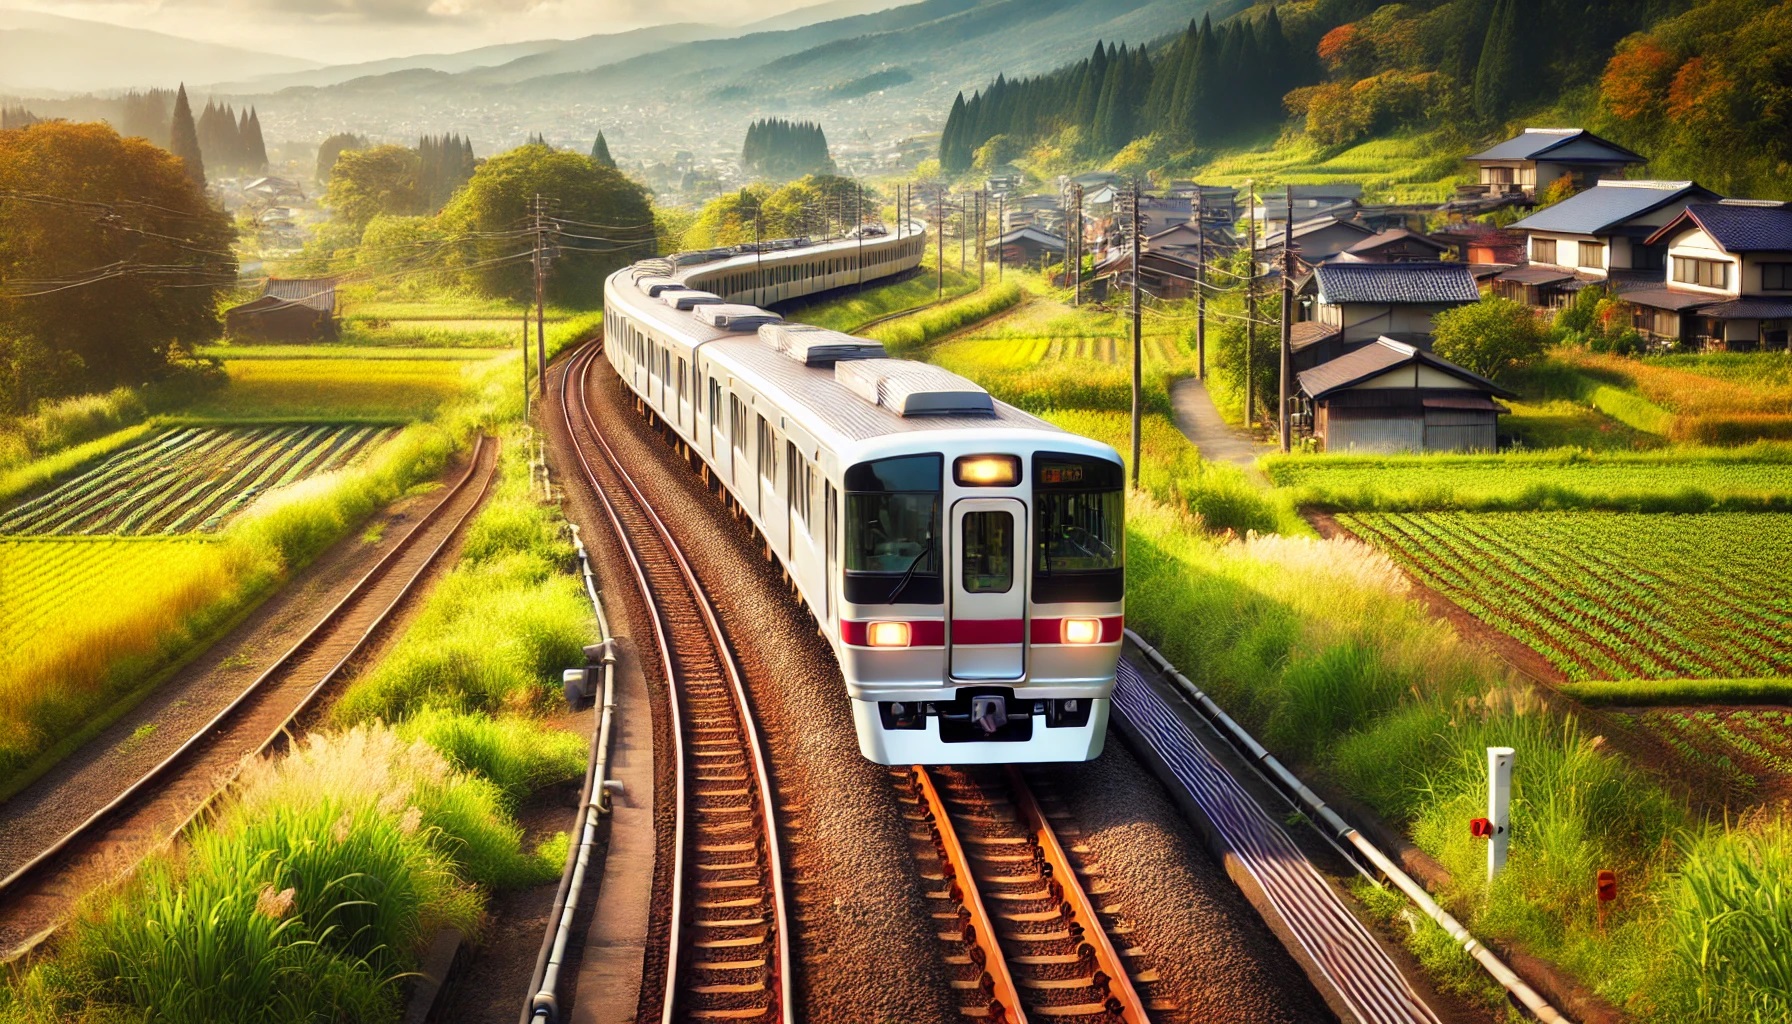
[(1737, 754), (386, 352), (1604, 595), (333, 388), (44, 581), (191, 479), (1686, 479), (1729, 398)]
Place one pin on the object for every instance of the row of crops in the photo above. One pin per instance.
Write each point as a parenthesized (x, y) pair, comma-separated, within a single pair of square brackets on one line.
[(1737, 751), (1606, 595), (189, 479)]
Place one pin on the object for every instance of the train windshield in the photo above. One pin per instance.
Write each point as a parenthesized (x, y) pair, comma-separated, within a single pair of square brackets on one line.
[(893, 531), (1080, 545)]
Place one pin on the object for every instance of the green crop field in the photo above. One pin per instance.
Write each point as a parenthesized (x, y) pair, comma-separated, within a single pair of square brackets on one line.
[(313, 388), (1607, 595), (1740, 752), (190, 479)]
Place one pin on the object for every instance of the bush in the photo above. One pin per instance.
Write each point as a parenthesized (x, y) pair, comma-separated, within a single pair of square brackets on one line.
[(1491, 337), (517, 755)]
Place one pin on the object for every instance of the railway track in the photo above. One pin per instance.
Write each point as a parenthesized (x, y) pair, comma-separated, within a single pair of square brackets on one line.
[(1026, 937), (49, 868), (728, 946)]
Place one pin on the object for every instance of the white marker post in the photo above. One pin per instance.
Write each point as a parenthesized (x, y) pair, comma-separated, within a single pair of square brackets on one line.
[(1499, 807)]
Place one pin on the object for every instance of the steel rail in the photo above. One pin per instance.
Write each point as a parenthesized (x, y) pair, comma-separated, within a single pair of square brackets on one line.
[(580, 366), (1124, 1002), (200, 736), (980, 932)]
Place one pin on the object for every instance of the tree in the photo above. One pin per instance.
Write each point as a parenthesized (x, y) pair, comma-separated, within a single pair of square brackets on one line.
[(574, 188), (367, 183), (776, 148), (113, 275), (1499, 75), (184, 138), (600, 151), (332, 148), (1491, 337)]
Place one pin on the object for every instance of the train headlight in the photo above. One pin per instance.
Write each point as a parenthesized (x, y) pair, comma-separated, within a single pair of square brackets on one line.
[(1082, 631), (986, 470), (887, 634)]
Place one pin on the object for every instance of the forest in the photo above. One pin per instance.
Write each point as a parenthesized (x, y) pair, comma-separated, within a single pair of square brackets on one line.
[(780, 149)]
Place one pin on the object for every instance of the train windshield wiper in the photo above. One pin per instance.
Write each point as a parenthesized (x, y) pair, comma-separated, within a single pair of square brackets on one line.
[(909, 573)]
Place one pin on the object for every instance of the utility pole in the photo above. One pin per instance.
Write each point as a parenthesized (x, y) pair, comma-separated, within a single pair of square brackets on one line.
[(1250, 318), (982, 233), (1001, 232), (1137, 341), (858, 214), (525, 362), (1076, 245), (1287, 314), (541, 345), (1201, 285), (939, 236), (964, 231)]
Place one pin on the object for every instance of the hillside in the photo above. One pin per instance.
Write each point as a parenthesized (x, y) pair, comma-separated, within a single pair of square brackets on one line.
[(1394, 94)]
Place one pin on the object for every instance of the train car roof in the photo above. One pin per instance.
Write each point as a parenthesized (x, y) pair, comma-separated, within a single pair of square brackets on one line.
[(833, 405), (683, 272)]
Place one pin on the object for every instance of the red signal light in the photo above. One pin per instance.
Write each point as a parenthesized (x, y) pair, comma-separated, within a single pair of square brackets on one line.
[(1480, 828), (1608, 885)]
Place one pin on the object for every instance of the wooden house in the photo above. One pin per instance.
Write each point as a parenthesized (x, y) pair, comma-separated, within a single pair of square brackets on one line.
[(1530, 162), (1392, 396)]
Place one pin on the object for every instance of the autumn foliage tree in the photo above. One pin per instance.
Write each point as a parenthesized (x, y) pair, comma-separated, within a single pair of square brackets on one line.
[(109, 271)]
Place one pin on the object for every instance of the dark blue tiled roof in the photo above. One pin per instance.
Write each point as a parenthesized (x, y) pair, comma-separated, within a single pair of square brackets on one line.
[(1396, 282), (1535, 142), (1607, 205), (1743, 228)]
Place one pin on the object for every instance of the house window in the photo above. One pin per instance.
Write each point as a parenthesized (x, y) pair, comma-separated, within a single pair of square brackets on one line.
[(1543, 250), (1592, 255), (1776, 277), (1704, 273), (1648, 257)]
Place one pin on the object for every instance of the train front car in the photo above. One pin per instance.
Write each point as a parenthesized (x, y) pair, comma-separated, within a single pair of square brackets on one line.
[(983, 588)]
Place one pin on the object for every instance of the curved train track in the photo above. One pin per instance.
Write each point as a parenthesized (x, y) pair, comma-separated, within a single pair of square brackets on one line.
[(38, 894), (728, 948), (1024, 936)]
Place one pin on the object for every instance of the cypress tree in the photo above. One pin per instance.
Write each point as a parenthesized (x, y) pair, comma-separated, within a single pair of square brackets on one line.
[(254, 145), (184, 137), (600, 152), (1501, 66)]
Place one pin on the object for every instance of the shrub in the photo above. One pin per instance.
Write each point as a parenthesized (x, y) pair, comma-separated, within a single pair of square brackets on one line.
[(1491, 337)]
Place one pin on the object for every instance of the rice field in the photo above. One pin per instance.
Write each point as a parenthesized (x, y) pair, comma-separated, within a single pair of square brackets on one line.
[(1612, 595), (334, 388), (190, 479), (44, 581)]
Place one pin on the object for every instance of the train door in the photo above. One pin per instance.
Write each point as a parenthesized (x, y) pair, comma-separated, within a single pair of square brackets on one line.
[(833, 551), (988, 592)]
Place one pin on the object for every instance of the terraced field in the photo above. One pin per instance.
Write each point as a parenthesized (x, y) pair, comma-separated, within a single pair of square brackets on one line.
[(1605, 595), (189, 480)]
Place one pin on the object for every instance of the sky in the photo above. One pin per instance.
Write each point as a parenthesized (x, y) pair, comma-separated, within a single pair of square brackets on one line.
[(341, 31)]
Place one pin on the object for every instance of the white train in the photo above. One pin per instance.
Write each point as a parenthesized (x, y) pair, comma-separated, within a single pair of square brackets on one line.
[(964, 558)]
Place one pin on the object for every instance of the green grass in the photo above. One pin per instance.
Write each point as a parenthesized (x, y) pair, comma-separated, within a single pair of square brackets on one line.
[(1670, 480), (1562, 423), (1646, 692), (850, 308), (908, 334), (496, 632), (308, 899)]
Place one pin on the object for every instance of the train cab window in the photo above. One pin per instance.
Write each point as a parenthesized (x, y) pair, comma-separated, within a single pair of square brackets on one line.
[(1080, 504), (893, 531), (988, 552)]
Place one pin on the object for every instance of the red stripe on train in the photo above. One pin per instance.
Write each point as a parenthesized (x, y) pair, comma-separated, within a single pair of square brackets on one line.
[(988, 631), (921, 632)]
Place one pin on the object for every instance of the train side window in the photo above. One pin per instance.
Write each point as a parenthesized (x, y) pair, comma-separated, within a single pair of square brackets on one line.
[(768, 453), (715, 400), (738, 421), (681, 370), (793, 482)]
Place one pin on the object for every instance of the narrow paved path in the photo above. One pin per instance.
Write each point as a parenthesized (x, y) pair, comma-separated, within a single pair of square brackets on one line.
[(1197, 417)]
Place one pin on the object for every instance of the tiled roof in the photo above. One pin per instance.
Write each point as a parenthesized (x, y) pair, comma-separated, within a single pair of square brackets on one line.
[(1607, 205), (1377, 359), (1536, 275), (1666, 298), (1738, 227), (1393, 235), (1750, 309), (1396, 282), (1309, 332), (1536, 142)]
